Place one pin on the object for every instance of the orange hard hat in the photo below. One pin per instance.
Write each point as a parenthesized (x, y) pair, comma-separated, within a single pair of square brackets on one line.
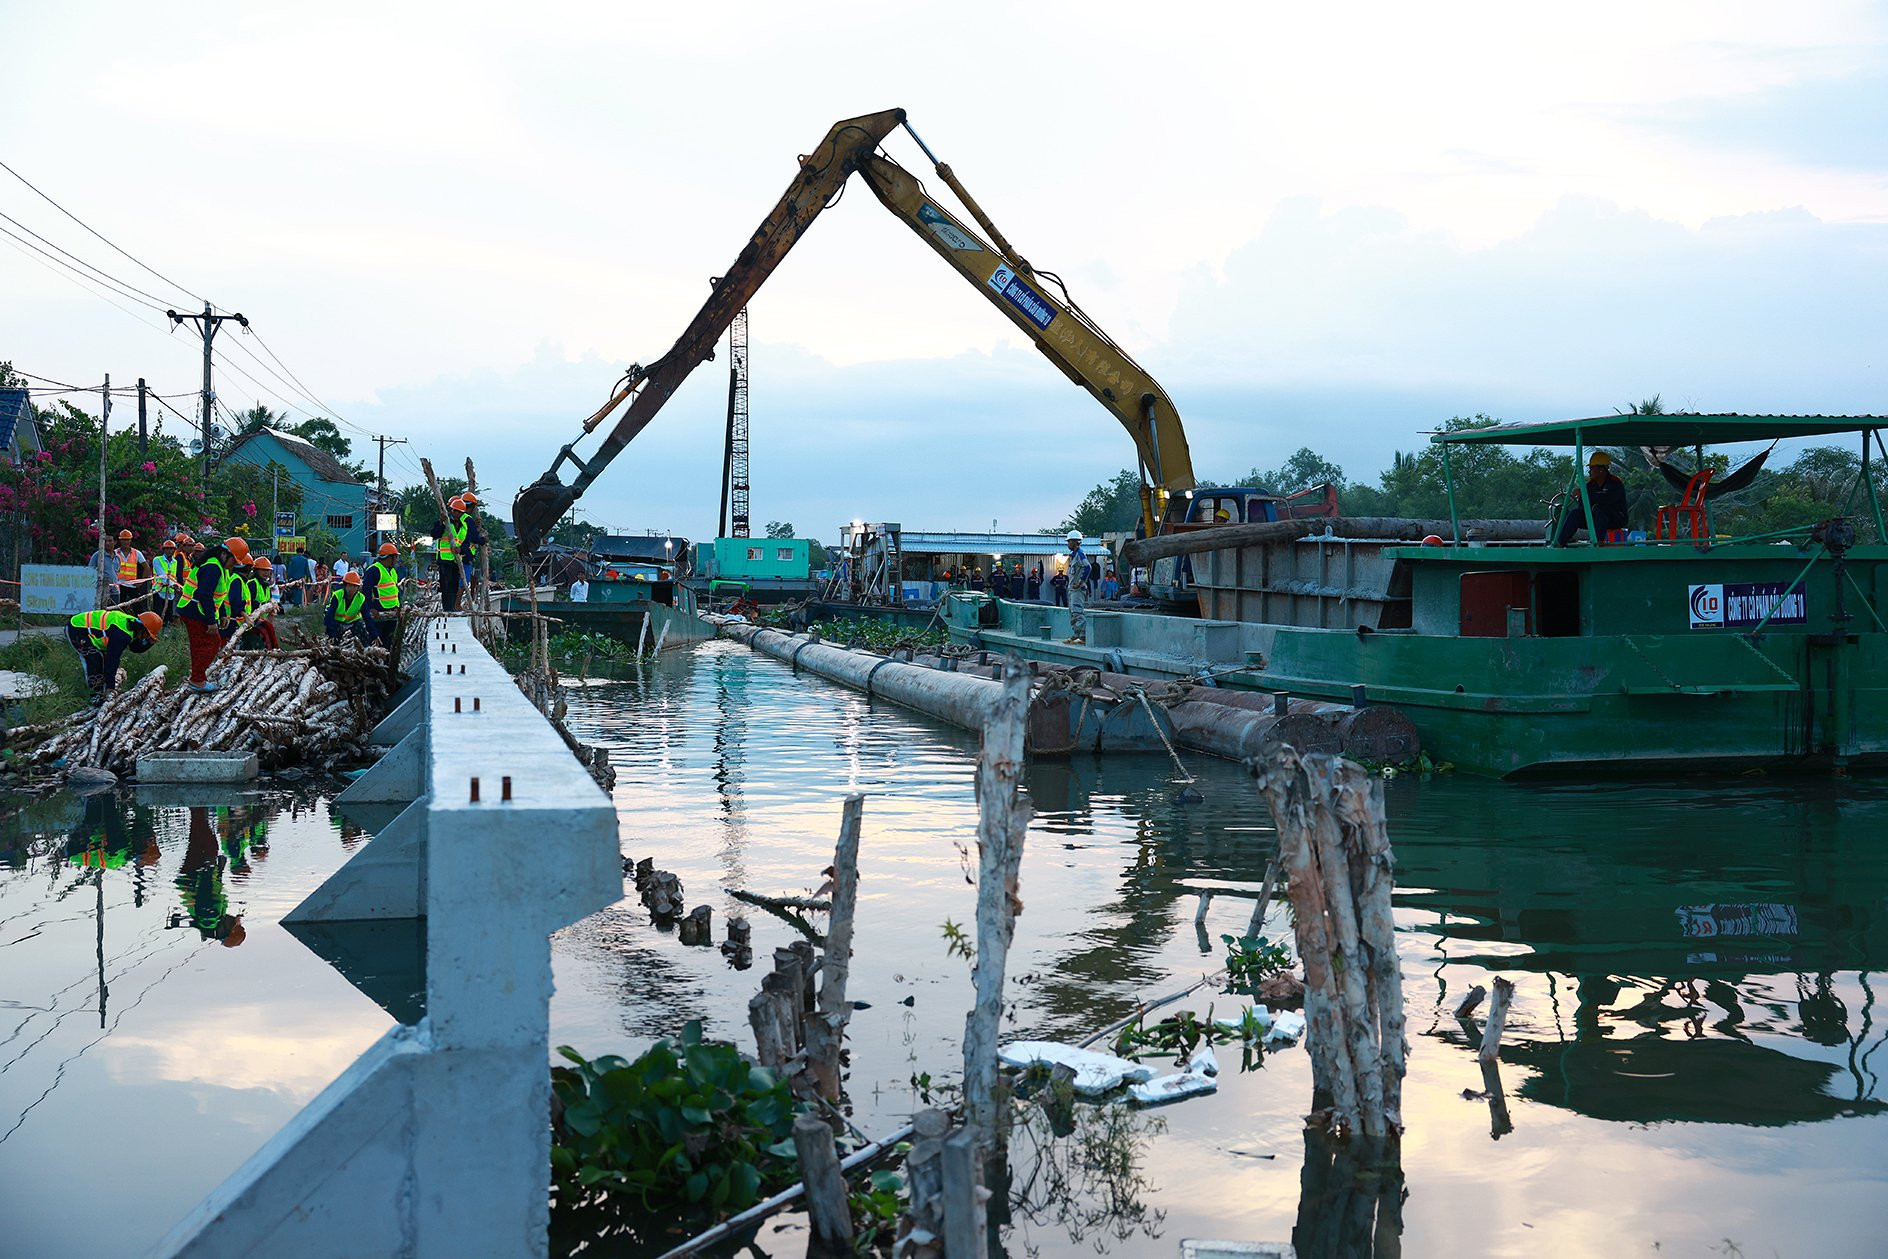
[(167, 545), (239, 549), (184, 539), (388, 548), (262, 564), (124, 535), (456, 503), (471, 499), (352, 579), (152, 622)]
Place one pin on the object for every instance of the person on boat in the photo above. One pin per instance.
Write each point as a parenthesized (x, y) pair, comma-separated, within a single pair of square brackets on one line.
[(1032, 588), (1607, 495), (342, 619), (1080, 583), (383, 603), (1000, 585), (102, 638)]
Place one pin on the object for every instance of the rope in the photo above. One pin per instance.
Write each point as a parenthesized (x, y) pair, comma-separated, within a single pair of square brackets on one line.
[(1140, 693)]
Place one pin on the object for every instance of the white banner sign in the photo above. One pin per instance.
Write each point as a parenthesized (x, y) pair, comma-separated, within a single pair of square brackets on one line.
[(58, 588)]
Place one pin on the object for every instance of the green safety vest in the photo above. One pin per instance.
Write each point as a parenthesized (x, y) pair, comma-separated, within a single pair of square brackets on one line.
[(188, 586), (386, 585), (258, 592), (345, 612), (165, 571), (455, 538), (99, 624), (229, 579)]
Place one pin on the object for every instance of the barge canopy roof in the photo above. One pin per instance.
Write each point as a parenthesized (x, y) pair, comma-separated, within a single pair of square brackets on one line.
[(1661, 430)]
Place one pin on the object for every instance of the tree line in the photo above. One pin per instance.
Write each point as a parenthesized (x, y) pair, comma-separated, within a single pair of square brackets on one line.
[(1499, 482)]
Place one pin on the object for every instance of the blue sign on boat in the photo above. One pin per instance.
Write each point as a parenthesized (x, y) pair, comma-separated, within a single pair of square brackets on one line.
[(1747, 604)]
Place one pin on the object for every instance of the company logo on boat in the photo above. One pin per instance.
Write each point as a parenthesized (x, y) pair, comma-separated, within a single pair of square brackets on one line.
[(1022, 297), (1745, 605), (945, 230)]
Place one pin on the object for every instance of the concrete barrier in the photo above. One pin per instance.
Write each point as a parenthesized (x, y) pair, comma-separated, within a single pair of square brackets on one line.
[(436, 1142)]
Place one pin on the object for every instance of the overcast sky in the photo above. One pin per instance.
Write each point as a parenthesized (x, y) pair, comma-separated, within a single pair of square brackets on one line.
[(1324, 225)]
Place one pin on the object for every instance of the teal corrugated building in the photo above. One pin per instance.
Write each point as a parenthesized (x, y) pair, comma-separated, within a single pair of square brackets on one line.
[(331, 495)]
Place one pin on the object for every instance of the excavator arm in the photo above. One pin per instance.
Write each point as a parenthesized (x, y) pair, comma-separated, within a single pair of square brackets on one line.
[(1057, 326)]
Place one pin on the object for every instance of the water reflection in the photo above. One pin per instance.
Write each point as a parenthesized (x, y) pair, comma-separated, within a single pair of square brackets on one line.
[(1696, 955), (149, 1007)]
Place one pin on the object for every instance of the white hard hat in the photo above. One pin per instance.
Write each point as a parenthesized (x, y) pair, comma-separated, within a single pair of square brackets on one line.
[(1075, 535)]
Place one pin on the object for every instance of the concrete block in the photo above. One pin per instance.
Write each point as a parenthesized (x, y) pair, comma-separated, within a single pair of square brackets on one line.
[(399, 722), (386, 878), (397, 777), (197, 767), (435, 1143)]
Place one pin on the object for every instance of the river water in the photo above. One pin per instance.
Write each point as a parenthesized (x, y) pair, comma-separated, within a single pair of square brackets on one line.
[(1693, 1060)]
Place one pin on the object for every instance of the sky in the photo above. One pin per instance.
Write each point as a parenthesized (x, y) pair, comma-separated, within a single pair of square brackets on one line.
[(1333, 226)]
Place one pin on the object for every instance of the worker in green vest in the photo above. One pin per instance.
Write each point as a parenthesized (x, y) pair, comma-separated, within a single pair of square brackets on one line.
[(102, 638), (165, 570), (260, 588), (343, 616), (236, 600), (205, 608), (474, 542), (383, 597), (453, 533)]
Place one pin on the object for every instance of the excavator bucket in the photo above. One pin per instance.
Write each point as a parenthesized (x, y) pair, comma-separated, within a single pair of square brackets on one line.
[(537, 509)]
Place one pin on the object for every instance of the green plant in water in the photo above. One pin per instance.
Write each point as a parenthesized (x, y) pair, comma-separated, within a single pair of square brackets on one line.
[(689, 1122), (1252, 959), (875, 1207), (957, 943)]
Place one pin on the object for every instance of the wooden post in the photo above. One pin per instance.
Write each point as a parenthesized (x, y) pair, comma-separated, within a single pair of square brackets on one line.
[(825, 1028), (1497, 1019), (963, 1196), (1470, 999), (760, 1016), (825, 1186), (922, 1230), (485, 552), (1266, 889), (1003, 819), (1336, 856)]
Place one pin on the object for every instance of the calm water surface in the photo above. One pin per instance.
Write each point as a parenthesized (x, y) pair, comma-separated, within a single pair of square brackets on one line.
[(1694, 1055)]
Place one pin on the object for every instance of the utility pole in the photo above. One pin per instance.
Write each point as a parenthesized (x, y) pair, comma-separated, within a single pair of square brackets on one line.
[(275, 499), (380, 503), (104, 430), (207, 324), (144, 434)]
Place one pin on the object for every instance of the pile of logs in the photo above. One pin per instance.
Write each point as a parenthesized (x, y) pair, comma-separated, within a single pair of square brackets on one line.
[(310, 707)]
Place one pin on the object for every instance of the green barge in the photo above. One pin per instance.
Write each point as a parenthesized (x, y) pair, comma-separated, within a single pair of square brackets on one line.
[(1696, 651)]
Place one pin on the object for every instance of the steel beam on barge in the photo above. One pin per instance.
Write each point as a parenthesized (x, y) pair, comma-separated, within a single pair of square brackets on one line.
[(434, 1142)]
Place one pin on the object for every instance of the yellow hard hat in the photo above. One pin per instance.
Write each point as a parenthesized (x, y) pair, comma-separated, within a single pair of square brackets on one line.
[(1599, 459)]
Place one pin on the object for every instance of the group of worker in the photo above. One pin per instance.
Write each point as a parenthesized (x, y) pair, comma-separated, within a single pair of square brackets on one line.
[(214, 588)]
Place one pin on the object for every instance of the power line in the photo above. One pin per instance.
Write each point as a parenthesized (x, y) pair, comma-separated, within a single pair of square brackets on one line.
[(80, 282), (94, 231), (125, 284)]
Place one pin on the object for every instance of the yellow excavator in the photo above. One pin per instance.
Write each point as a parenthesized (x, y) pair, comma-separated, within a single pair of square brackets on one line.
[(1035, 301)]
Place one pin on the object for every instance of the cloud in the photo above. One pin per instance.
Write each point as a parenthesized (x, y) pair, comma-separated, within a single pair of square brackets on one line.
[(1835, 121)]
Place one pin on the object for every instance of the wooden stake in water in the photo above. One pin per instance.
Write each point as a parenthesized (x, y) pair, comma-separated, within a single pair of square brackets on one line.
[(1003, 818), (1336, 855)]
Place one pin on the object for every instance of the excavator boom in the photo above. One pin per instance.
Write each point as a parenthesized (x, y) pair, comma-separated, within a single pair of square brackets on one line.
[(822, 174), (1066, 336)]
